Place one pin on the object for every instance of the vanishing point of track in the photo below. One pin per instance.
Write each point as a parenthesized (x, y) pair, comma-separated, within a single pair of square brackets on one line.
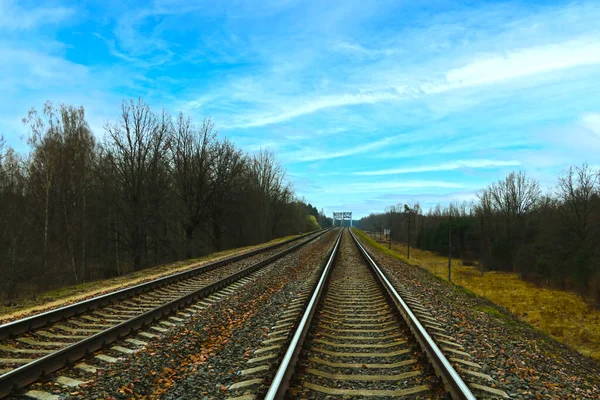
[(358, 338)]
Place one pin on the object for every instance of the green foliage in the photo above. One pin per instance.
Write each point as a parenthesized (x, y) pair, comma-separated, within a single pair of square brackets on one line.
[(311, 223), (490, 311)]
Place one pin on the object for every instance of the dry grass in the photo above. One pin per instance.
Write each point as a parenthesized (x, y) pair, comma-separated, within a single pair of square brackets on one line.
[(71, 294), (563, 315)]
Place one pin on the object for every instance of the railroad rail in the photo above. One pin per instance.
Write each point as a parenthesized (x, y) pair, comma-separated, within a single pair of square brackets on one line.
[(354, 339), (44, 343)]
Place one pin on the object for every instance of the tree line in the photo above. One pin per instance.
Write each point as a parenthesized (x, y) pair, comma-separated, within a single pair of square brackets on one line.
[(550, 238), (154, 188)]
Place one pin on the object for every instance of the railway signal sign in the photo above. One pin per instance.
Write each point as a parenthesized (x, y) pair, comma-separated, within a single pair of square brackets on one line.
[(342, 216)]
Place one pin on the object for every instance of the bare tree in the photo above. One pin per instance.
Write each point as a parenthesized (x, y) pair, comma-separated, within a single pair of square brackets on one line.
[(192, 152), (228, 183), (43, 165), (515, 195), (137, 145), (576, 189), (13, 218), (153, 191), (61, 161), (2, 145), (484, 211), (268, 178), (77, 157), (551, 239)]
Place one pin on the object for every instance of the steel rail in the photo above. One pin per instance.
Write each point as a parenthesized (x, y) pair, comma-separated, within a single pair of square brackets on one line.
[(451, 379), (20, 326), (29, 373), (282, 377)]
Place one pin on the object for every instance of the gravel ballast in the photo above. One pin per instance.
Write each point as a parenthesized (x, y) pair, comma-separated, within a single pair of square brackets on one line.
[(202, 358), (358, 344), (524, 362), (123, 282)]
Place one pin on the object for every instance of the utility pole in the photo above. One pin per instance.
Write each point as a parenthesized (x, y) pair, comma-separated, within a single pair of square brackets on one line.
[(390, 233), (408, 211), (481, 259), (408, 247), (450, 248)]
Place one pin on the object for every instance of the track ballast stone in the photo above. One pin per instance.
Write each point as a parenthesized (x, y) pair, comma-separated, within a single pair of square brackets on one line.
[(358, 346), (200, 360), (524, 362)]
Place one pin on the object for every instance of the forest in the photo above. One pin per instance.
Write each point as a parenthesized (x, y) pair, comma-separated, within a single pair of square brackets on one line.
[(550, 238), (152, 188)]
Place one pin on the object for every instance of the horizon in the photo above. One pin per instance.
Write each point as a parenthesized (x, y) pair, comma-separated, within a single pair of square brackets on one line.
[(365, 105)]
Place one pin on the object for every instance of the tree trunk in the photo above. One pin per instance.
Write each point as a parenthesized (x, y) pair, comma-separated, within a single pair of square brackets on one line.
[(10, 278), (69, 241), (216, 237), (83, 241), (408, 247), (117, 247), (47, 219), (189, 237)]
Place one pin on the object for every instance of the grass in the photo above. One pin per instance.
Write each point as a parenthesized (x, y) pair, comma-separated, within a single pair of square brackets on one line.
[(70, 294), (491, 311), (565, 316)]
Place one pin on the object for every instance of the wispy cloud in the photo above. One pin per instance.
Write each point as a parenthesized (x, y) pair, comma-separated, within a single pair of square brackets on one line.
[(314, 154), (329, 174), (481, 71), (15, 17), (378, 187), (449, 166), (358, 50), (34, 69), (314, 105), (454, 146), (520, 63), (381, 88), (591, 121), (429, 200)]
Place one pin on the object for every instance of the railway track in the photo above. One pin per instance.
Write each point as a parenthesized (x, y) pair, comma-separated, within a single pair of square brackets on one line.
[(358, 338), (41, 344)]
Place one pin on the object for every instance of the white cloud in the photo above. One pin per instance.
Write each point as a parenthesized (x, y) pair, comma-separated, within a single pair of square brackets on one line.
[(450, 166), (14, 17), (479, 71), (518, 63), (467, 145), (314, 105), (591, 121), (329, 174), (357, 50), (311, 154), (36, 70)]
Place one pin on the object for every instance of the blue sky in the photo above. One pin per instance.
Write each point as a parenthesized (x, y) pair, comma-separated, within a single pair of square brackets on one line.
[(366, 103)]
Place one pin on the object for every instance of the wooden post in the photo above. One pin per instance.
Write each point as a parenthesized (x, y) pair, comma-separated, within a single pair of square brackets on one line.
[(407, 212), (481, 258), (390, 232), (408, 250), (450, 251)]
